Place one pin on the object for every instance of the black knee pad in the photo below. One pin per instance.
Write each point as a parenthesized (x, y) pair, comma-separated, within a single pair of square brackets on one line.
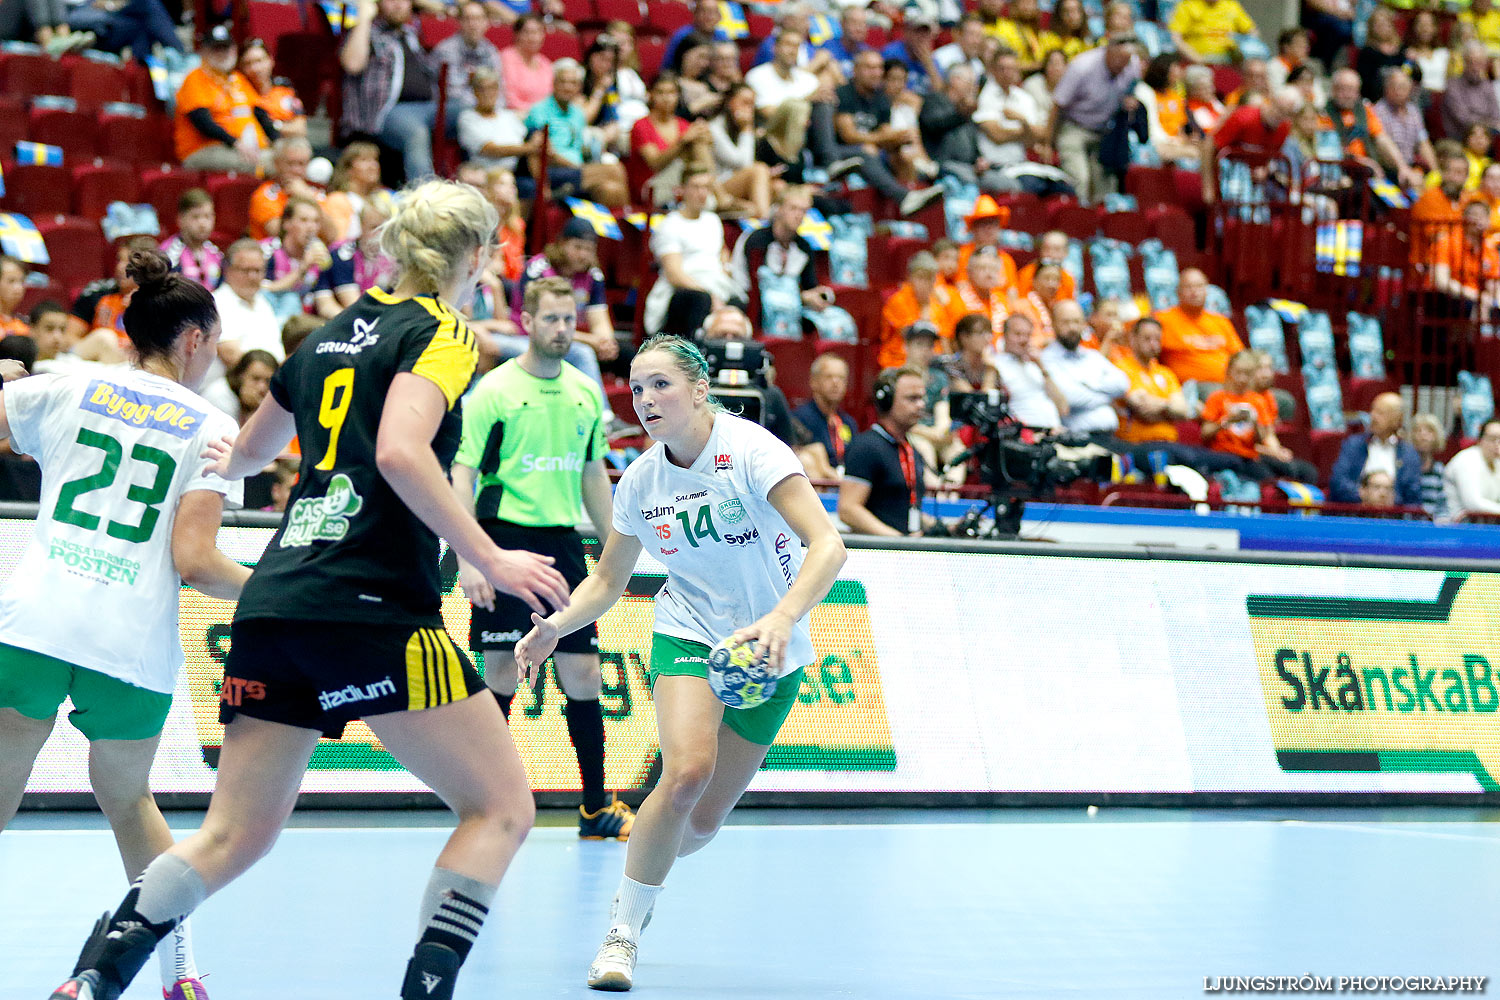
[(432, 973)]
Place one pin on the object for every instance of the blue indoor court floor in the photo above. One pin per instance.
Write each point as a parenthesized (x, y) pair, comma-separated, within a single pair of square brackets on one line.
[(808, 904)]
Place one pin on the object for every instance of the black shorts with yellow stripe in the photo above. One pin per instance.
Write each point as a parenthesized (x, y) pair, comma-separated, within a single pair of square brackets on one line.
[(324, 675)]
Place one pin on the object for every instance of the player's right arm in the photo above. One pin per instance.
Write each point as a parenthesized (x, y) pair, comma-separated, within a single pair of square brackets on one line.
[(595, 595), (265, 435), (195, 553)]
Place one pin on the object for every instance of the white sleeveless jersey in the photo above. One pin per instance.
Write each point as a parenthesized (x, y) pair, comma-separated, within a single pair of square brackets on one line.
[(96, 586), (730, 556)]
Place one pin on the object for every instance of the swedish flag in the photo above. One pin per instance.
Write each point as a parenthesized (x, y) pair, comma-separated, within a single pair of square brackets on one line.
[(161, 81), (20, 239), (821, 30), (1339, 248), (732, 20), (342, 17), (39, 154), (638, 220), (1300, 494), (1389, 193), (595, 215), (2, 183), (1292, 312), (816, 230)]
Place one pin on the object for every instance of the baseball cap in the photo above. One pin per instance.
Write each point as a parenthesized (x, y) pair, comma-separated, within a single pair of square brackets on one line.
[(578, 229), (218, 36), (921, 328)]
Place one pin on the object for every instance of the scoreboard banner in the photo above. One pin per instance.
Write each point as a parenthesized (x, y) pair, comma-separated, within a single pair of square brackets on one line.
[(951, 670)]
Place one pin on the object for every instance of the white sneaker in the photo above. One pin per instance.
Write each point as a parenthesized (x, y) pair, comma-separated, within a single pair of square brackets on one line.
[(917, 200), (614, 966), (844, 167)]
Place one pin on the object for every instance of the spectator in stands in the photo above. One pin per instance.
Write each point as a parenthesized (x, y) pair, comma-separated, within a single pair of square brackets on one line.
[(1403, 122), (12, 291), (48, 22), (967, 47), (1376, 488), (295, 261), (527, 73), (1330, 25), (191, 252), (705, 22), (689, 247), (1069, 31), (1240, 422), (101, 304), (948, 130), (216, 122), (737, 172), (1361, 132), (868, 143), (138, 25), (573, 256), (48, 330), (1465, 264), (933, 435), (1204, 30), (1382, 51), (783, 91), (1203, 104), (1470, 98), (778, 247), (1051, 248), (1255, 85), (273, 94), (1379, 449), (922, 297), (1086, 379), (1021, 31), (284, 471), (822, 419), (1107, 328), (881, 492), (60, 350), (1471, 480), (390, 83), (1425, 50), (510, 241), (914, 50), (1042, 84), (356, 178), (358, 265), (1428, 439), (248, 321), (1096, 85), (242, 389), (1037, 304), (852, 39), (796, 19), (1161, 94), (1257, 132), (568, 169), (1484, 19), (968, 367), (662, 145), (1035, 399), (1440, 208), (986, 224), (512, 11), (1010, 125), (983, 292), (490, 133), (1293, 46), (604, 108), (695, 59), (1153, 401), (289, 157), (460, 54), (1196, 344)]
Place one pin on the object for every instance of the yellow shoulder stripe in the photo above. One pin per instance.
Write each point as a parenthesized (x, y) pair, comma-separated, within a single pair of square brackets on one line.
[(452, 355)]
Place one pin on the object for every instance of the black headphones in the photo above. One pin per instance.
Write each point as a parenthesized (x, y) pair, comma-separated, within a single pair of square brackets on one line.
[(885, 391)]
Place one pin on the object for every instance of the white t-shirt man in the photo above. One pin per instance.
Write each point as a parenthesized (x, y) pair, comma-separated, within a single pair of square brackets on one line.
[(993, 105), (118, 449), (730, 556), (1029, 402), (700, 241), (251, 325), (1090, 384), (502, 127), (772, 90)]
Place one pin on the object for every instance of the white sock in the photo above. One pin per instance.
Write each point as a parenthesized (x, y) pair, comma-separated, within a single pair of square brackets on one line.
[(175, 956), (633, 904)]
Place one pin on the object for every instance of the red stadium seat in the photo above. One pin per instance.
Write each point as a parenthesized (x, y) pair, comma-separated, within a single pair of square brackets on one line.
[(762, 26), (1128, 227), (232, 200), (35, 295), (162, 186), (1078, 221), (134, 140), (1027, 214), (1151, 185), (435, 29), (12, 124), (37, 191), (77, 248), (92, 83), (268, 20), (663, 17), (650, 52), (793, 360), (1227, 80), (97, 184), (578, 12), (26, 75), (1359, 393), (561, 45), (500, 35), (1175, 228), (74, 131), (628, 11)]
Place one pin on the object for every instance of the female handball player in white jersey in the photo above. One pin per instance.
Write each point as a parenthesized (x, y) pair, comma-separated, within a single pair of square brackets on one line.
[(749, 551), (127, 516)]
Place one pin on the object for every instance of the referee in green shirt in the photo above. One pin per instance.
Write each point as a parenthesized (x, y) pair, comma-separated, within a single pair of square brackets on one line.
[(533, 446)]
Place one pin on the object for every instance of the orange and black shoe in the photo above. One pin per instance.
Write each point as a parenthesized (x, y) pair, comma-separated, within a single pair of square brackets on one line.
[(613, 820)]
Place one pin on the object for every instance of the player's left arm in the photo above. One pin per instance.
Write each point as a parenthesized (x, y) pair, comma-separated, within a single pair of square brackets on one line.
[(797, 503), (9, 371), (598, 501)]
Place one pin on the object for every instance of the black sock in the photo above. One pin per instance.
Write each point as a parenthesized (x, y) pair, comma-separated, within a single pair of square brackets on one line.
[(505, 700), (586, 730)]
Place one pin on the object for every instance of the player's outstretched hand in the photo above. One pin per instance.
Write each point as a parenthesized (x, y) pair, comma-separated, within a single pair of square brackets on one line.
[(218, 453), (531, 578), (770, 635), (534, 648), (476, 588)]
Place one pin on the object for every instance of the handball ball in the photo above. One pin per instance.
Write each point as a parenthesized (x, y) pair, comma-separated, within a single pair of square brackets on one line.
[(737, 678), (319, 170)]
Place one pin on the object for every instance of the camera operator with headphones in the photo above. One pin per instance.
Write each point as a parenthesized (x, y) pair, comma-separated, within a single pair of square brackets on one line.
[(881, 493)]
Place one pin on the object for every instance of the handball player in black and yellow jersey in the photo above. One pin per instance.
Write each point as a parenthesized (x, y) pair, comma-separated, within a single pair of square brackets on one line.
[(533, 440), (340, 620)]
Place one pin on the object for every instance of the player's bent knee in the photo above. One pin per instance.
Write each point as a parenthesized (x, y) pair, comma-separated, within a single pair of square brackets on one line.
[(686, 780), (122, 802)]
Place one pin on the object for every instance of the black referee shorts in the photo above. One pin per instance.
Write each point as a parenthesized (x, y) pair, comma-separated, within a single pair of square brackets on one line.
[(503, 627)]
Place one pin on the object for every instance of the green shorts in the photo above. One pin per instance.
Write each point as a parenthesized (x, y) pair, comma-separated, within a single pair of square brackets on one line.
[(104, 707), (674, 657)]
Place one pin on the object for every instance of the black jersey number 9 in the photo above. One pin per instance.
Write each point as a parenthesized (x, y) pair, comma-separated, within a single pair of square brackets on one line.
[(338, 392), (147, 496)]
